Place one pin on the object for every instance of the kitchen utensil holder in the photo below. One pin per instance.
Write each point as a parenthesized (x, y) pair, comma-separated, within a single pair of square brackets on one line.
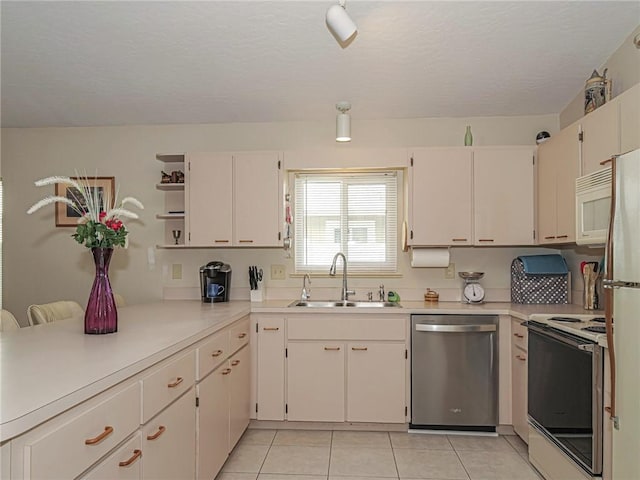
[(258, 295)]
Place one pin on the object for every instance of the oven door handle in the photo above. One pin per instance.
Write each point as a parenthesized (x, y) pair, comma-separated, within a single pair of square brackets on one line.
[(587, 347), (421, 327)]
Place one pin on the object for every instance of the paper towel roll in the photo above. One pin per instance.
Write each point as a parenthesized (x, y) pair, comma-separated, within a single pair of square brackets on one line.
[(430, 257)]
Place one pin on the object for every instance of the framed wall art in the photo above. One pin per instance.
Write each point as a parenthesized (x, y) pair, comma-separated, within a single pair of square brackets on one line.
[(66, 216)]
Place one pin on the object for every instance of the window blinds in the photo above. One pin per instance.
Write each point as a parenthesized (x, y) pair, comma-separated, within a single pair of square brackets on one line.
[(352, 213)]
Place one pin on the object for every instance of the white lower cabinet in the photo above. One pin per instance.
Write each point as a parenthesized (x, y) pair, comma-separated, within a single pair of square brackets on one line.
[(315, 381), (270, 371), (123, 464), (238, 395), (519, 380), (376, 382), (169, 441)]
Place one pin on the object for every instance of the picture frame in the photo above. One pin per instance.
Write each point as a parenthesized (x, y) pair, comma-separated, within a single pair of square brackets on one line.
[(67, 216)]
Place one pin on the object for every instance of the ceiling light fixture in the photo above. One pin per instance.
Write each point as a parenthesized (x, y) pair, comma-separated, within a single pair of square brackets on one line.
[(343, 122), (340, 24)]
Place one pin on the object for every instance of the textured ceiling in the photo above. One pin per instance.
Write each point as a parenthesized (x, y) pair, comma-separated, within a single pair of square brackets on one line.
[(83, 63)]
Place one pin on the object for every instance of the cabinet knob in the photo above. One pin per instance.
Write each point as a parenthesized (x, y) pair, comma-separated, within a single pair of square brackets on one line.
[(520, 357), (242, 335), (518, 335), (226, 371), (176, 383), (161, 430), (217, 353), (108, 430), (235, 362), (136, 455)]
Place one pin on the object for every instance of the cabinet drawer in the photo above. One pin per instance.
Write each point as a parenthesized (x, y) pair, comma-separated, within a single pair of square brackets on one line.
[(239, 335), (123, 464), (519, 335), (346, 327), (167, 382), (76, 445), (212, 353)]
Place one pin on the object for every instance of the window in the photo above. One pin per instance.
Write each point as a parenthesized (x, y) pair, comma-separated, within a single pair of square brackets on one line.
[(352, 213)]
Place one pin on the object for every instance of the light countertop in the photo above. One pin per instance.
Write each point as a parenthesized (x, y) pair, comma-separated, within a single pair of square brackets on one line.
[(47, 369)]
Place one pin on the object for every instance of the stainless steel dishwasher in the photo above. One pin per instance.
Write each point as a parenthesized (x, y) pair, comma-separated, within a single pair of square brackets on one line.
[(454, 372)]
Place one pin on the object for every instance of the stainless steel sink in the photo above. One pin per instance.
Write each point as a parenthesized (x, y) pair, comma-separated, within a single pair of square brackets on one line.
[(340, 304)]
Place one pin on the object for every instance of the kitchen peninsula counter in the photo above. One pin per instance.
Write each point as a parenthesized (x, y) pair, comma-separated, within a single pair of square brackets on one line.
[(47, 369)]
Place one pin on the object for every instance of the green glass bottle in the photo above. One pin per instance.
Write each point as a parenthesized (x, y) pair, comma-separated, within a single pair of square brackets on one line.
[(468, 138)]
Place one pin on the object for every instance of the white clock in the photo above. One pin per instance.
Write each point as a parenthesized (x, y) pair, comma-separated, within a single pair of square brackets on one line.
[(473, 293)]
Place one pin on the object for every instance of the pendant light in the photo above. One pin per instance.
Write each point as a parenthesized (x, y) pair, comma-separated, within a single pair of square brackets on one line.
[(340, 24), (343, 122)]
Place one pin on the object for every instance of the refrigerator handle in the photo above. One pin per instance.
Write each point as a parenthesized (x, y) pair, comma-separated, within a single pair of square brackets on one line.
[(608, 293)]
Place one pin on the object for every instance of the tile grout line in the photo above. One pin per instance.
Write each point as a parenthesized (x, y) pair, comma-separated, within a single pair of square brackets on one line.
[(393, 452), (265, 457), (330, 450), (459, 459)]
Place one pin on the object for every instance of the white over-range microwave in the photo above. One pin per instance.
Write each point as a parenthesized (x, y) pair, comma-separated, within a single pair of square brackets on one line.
[(593, 205)]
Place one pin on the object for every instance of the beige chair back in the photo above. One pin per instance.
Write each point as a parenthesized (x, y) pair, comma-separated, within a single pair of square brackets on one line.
[(8, 322), (50, 312)]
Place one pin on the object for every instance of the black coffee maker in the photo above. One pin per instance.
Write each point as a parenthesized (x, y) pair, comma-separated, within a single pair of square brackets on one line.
[(215, 282)]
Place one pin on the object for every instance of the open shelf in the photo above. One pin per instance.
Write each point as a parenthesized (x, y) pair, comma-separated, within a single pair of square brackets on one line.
[(171, 157), (170, 216), (170, 186)]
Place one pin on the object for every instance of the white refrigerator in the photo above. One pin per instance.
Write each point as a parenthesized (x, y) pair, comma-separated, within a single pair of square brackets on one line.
[(622, 308)]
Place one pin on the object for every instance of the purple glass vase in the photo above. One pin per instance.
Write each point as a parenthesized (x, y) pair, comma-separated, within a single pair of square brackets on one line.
[(101, 315)]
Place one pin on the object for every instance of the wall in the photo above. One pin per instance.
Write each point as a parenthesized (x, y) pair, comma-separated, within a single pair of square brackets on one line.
[(42, 264), (624, 71)]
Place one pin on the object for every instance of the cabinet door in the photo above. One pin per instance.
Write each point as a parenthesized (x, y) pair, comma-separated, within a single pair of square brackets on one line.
[(209, 195), (213, 422), (601, 136), (123, 464), (169, 441), (376, 382), (519, 392), (503, 196), (441, 196), (567, 170), (315, 381), (270, 366), (256, 199), (630, 119), (547, 203), (239, 395)]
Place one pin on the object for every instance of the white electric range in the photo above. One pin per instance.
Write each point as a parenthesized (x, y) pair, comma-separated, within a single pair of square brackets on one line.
[(575, 325)]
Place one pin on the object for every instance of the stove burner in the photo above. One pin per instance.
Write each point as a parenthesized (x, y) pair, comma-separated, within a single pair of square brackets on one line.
[(566, 319), (598, 319), (596, 329)]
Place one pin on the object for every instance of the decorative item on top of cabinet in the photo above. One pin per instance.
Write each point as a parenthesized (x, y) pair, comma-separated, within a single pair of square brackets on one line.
[(468, 137), (174, 200), (597, 91)]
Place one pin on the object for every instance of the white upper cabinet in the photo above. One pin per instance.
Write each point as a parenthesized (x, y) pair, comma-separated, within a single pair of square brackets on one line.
[(209, 213), (558, 167), (440, 202), (600, 136), (630, 119), (503, 196), (233, 199), (257, 197)]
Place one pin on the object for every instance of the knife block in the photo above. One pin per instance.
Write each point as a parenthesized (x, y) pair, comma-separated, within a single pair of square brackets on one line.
[(258, 295)]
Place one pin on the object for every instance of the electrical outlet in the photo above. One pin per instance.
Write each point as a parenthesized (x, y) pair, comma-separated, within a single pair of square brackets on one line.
[(278, 272), (176, 271), (450, 271)]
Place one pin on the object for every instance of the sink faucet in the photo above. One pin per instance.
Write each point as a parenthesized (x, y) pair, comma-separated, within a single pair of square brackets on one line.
[(332, 272), (381, 293), (306, 292)]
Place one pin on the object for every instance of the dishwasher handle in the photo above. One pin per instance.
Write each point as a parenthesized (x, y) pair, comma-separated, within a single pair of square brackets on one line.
[(422, 327)]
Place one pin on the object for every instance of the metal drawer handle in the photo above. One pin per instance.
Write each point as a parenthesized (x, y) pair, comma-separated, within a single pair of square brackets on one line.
[(217, 353), (608, 160), (562, 236), (160, 431), (176, 383), (108, 430), (458, 239), (519, 335), (550, 237), (242, 335), (332, 348), (455, 328), (271, 329), (360, 349), (486, 240), (136, 455), (221, 241), (226, 371), (520, 357), (235, 362), (246, 241)]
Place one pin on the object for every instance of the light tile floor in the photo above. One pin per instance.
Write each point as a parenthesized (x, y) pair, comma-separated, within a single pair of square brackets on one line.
[(350, 455)]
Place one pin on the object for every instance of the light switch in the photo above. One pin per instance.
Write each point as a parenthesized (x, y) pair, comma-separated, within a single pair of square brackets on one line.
[(176, 271), (277, 272)]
